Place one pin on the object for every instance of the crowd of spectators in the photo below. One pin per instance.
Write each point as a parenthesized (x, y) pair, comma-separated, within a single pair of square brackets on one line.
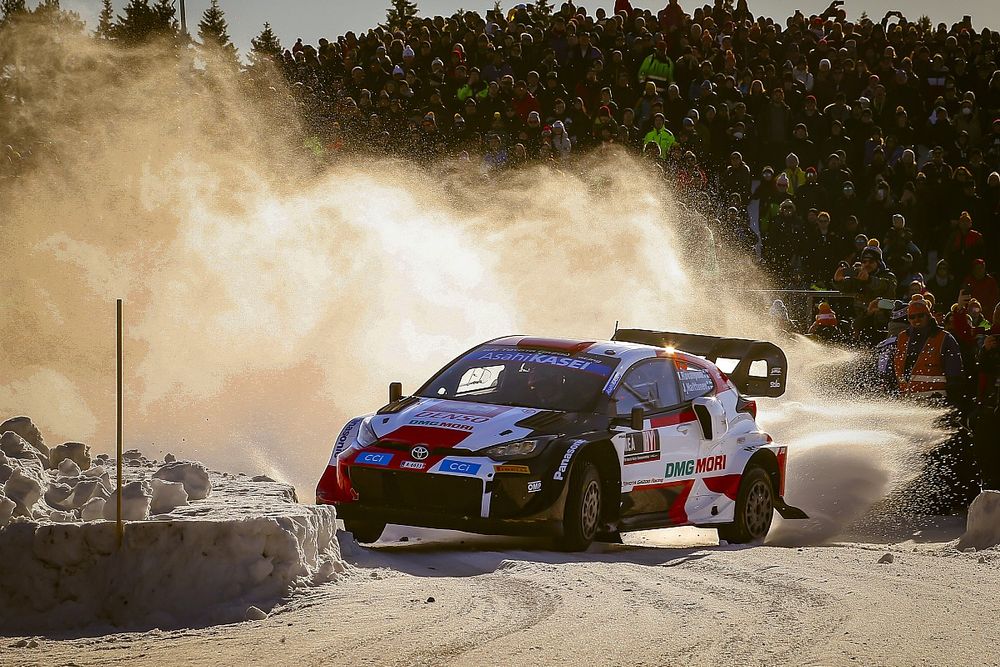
[(805, 139), (860, 157)]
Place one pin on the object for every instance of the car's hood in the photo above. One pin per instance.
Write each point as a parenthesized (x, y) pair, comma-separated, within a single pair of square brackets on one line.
[(460, 424)]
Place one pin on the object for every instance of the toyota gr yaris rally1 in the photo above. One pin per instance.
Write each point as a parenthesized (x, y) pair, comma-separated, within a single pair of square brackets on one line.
[(576, 439)]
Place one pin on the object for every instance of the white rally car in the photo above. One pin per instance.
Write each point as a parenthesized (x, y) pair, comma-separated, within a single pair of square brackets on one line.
[(577, 439)]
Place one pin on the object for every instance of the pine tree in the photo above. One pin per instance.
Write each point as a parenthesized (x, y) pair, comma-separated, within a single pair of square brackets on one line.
[(265, 46), (213, 31), (543, 8), (49, 13), (142, 22), (399, 12), (8, 8), (106, 21)]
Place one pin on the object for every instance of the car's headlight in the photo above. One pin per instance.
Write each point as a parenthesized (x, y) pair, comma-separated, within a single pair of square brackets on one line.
[(519, 449), (366, 434)]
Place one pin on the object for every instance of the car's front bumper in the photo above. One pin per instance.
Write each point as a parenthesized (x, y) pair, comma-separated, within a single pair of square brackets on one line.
[(518, 498)]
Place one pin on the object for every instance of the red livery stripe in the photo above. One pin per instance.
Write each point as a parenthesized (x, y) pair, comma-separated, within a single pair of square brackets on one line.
[(727, 485), (554, 344), (673, 419)]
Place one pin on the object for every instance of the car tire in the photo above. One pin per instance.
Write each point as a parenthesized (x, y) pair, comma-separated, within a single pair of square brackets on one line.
[(582, 516), (364, 531), (754, 509)]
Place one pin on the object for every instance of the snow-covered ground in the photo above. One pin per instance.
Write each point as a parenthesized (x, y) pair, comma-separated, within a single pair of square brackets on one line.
[(199, 547), (665, 597), (238, 572)]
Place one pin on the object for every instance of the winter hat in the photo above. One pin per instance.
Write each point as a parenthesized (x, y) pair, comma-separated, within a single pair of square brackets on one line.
[(408, 52), (899, 311), (826, 317), (917, 305), (397, 71), (872, 251)]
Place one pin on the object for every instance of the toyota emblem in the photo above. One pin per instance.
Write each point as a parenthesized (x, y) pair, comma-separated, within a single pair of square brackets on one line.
[(419, 453)]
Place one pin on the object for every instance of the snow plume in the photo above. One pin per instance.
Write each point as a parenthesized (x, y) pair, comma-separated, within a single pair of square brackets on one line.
[(268, 299)]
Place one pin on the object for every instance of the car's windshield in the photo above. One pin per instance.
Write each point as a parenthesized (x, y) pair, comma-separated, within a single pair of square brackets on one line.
[(507, 375)]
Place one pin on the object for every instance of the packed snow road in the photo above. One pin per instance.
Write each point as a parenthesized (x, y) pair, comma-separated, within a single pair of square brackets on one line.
[(666, 597)]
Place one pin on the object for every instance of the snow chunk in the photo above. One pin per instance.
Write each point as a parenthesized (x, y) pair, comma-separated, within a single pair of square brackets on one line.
[(16, 447), (193, 475), (255, 613), (135, 503), (69, 468), (77, 452), (6, 510), (24, 427), (983, 528), (167, 496), (100, 473), (25, 490), (93, 509)]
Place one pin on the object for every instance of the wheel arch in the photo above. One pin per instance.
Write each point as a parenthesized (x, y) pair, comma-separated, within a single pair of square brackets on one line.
[(768, 461)]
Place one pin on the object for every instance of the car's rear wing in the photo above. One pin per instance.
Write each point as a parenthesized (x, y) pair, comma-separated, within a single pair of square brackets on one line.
[(761, 368)]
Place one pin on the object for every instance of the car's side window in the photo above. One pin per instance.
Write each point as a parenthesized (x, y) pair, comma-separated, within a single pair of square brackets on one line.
[(651, 385), (479, 380), (695, 382)]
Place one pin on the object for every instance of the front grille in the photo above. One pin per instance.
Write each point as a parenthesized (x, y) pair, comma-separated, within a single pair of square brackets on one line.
[(395, 489), (434, 451)]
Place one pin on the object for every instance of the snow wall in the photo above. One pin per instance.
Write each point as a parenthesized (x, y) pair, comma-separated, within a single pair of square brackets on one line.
[(198, 547)]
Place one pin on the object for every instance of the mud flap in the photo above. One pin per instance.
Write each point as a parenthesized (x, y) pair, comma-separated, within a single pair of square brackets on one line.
[(787, 511)]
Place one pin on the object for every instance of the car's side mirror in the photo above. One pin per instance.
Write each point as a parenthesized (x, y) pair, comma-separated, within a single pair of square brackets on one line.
[(712, 417), (395, 391), (636, 418)]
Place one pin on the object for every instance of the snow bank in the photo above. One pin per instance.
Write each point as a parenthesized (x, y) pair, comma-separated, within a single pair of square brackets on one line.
[(983, 528), (187, 557)]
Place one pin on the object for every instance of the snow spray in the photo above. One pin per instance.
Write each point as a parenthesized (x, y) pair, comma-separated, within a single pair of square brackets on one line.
[(270, 298)]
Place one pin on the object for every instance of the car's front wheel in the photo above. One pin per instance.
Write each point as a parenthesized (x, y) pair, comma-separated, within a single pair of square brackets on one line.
[(364, 531), (754, 509), (582, 517)]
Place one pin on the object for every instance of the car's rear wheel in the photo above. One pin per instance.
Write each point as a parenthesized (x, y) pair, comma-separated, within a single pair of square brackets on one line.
[(754, 509), (364, 531), (582, 517)]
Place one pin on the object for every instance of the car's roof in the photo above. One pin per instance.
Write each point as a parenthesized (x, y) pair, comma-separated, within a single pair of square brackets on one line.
[(629, 352)]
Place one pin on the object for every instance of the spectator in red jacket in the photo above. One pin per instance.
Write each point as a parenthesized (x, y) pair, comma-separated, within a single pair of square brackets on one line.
[(982, 286), (965, 246)]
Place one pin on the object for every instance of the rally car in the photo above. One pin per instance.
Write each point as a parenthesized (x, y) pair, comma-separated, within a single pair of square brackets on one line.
[(576, 439)]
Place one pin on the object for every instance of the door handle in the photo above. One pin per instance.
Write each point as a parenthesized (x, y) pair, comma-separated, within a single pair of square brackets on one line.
[(683, 430)]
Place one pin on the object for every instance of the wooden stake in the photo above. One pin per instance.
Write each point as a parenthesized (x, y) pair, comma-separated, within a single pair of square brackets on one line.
[(118, 500)]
